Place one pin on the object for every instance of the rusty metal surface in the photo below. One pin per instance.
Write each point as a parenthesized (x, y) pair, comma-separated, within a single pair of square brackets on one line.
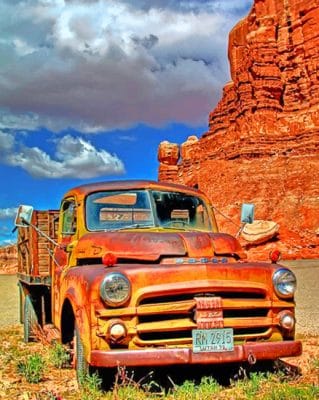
[(226, 244), (163, 303), (150, 246), (136, 245), (128, 185), (157, 357), (209, 312)]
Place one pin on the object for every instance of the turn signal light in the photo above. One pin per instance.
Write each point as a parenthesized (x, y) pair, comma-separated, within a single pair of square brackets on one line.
[(287, 320), (117, 331), (109, 259), (274, 256)]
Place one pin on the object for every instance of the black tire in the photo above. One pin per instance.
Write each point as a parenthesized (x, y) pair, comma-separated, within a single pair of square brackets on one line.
[(30, 320), (21, 304), (82, 367), (80, 363)]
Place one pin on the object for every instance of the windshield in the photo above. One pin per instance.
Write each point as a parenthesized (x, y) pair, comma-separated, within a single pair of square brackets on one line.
[(180, 210), (116, 210)]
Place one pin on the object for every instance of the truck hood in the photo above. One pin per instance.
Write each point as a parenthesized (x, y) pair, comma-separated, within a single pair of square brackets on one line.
[(150, 246)]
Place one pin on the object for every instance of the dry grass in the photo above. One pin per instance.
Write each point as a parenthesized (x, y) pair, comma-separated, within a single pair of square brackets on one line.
[(61, 384)]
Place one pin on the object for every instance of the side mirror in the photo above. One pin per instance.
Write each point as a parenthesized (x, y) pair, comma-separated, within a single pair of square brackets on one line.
[(24, 216), (247, 213)]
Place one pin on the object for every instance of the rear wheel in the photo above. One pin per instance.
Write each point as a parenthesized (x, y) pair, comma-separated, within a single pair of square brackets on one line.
[(21, 303), (30, 319)]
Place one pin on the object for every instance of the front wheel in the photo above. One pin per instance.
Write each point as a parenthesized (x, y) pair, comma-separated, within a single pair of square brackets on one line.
[(80, 364), (103, 377)]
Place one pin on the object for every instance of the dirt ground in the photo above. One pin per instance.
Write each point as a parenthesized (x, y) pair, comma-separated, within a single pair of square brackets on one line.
[(9, 300), (307, 296)]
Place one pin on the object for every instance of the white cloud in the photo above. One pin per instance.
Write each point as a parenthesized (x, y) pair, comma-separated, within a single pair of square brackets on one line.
[(7, 213), (234, 7), (98, 65), (74, 158), (7, 236), (14, 120), (6, 143)]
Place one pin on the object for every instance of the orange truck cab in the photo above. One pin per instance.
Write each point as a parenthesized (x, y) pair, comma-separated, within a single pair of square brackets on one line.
[(138, 274)]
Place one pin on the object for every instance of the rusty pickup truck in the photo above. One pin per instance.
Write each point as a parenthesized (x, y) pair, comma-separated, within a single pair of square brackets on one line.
[(136, 273)]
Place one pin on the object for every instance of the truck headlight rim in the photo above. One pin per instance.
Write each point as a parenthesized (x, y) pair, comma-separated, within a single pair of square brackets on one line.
[(115, 289), (285, 283)]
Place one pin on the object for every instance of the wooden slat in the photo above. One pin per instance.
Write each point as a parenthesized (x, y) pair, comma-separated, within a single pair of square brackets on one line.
[(33, 255)]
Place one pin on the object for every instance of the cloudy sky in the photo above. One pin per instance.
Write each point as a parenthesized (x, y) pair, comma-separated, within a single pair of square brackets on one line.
[(89, 88)]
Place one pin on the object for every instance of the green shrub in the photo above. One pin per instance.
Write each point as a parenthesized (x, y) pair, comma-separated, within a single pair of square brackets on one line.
[(208, 386), (191, 391), (254, 384), (91, 386), (130, 392), (32, 369), (127, 387), (60, 356), (185, 391)]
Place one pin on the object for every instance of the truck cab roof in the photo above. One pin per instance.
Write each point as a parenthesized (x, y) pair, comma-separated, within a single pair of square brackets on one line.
[(85, 189)]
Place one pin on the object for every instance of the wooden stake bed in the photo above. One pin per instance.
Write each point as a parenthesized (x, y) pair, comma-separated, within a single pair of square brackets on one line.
[(34, 250)]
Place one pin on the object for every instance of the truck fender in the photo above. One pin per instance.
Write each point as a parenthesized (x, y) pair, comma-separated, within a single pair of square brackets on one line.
[(73, 313)]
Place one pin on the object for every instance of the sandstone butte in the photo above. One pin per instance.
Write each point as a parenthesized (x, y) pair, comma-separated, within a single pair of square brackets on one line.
[(8, 259), (262, 142)]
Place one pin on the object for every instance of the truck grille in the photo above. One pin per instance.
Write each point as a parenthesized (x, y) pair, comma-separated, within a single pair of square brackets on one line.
[(170, 319)]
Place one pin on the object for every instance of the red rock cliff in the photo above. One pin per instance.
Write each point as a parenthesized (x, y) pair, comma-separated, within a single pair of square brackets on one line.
[(8, 259), (262, 145)]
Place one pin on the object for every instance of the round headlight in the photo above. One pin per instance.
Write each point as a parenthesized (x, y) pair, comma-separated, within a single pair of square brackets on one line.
[(285, 282), (115, 289)]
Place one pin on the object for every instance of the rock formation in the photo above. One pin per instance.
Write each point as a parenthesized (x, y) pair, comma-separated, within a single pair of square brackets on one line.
[(262, 143), (8, 259)]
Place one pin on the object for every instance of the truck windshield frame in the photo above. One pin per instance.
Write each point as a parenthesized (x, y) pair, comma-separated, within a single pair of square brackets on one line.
[(141, 209)]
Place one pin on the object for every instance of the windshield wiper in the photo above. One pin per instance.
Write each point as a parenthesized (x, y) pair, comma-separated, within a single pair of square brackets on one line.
[(142, 226), (137, 226), (175, 228)]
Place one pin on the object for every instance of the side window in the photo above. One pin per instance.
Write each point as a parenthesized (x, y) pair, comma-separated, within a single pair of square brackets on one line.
[(68, 217)]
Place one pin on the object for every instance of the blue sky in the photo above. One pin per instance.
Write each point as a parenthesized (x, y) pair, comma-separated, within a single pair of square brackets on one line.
[(89, 88)]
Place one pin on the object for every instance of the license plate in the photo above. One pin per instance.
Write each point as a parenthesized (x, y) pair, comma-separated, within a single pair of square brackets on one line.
[(213, 340)]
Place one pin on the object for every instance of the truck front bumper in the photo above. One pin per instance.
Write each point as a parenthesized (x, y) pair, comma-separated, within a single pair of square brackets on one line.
[(250, 352)]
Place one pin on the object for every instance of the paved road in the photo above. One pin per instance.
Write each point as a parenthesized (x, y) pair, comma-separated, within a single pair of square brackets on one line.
[(307, 297)]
